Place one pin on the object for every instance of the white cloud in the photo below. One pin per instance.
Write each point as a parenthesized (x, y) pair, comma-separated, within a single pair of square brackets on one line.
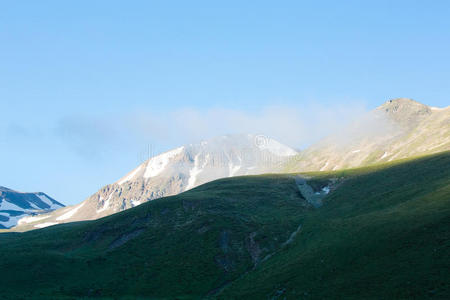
[(294, 125)]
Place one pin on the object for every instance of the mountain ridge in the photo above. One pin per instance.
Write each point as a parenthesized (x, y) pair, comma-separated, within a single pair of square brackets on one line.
[(176, 171), (15, 206), (399, 128), (382, 232)]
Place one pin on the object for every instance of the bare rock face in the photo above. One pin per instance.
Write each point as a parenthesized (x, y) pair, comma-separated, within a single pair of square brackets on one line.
[(404, 112), (400, 128), (176, 171)]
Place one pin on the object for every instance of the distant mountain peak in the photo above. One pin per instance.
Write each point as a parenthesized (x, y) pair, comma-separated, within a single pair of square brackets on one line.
[(233, 148), (402, 105), (5, 189), (16, 205), (399, 128), (176, 171), (404, 111)]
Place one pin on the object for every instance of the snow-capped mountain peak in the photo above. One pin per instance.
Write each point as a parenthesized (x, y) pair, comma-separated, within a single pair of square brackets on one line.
[(178, 170), (157, 164), (16, 205), (273, 146)]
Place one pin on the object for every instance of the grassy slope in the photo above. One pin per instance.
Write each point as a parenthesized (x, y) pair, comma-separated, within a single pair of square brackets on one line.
[(381, 235), (186, 245), (384, 232)]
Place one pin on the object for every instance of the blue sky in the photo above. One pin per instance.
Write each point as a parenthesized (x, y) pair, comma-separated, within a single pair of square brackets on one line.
[(85, 86)]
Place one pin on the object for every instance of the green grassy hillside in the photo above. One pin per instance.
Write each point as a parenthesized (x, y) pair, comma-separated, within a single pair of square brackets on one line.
[(382, 232), (381, 235), (184, 246)]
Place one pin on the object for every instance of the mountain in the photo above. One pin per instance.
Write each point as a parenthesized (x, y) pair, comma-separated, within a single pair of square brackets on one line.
[(383, 234), (176, 171), (399, 128), (379, 232), (15, 205)]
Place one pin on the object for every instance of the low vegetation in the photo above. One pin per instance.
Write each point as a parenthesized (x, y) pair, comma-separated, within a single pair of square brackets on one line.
[(382, 232)]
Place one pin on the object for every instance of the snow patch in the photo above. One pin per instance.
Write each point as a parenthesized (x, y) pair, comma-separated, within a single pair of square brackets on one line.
[(392, 157), (196, 170), (193, 173), (233, 169), (105, 204), (31, 219), (135, 203), (6, 205), (275, 147), (384, 155), (12, 221), (324, 167), (325, 189), (35, 206), (158, 163), (129, 176), (437, 146), (46, 224), (70, 213), (46, 200)]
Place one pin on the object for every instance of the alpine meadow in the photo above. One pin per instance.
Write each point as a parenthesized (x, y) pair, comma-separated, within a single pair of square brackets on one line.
[(234, 150)]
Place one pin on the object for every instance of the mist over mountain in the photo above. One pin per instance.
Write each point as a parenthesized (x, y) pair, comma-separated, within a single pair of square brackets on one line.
[(399, 128), (220, 150), (279, 232), (176, 171)]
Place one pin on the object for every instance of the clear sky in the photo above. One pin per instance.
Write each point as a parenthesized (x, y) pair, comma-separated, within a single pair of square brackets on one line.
[(85, 86)]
